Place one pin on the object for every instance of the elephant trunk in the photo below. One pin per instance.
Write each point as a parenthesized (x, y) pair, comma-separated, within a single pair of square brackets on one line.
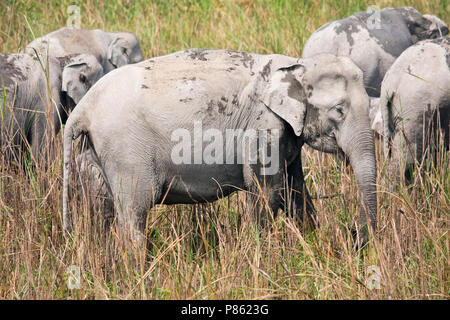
[(358, 144)]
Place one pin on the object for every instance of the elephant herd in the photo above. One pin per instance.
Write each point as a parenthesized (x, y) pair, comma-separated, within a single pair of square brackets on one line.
[(41, 85), (179, 128)]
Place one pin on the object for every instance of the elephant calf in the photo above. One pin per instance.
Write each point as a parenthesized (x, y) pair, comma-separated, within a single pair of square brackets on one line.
[(196, 125), (35, 98), (112, 49), (373, 40), (415, 104)]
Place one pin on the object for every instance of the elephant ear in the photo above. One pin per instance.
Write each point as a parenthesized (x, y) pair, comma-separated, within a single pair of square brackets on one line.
[(376, 120), (118, 52), (285, 96), (79, 74)]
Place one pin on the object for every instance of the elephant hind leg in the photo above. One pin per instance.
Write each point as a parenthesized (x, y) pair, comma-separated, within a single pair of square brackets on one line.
[(134, 195)]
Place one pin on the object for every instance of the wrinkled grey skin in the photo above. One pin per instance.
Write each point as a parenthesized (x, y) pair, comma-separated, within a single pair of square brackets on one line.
[(129, 115), (413, 90), (112, 49), (92, 184), (374, 49), (33, 110)]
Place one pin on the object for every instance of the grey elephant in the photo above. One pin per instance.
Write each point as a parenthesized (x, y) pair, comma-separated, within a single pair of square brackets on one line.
[(374, 39), (92, 185), (147, 124), (112, 49), (36, 96), (415, 104)]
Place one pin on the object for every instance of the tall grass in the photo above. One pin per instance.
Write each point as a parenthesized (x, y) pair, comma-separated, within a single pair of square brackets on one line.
[(215, 250)]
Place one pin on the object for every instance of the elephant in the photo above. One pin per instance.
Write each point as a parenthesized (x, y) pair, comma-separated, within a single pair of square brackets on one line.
[(373, 40), (36, 96), (139, 120), (112, 49), (90, 181), (415, 105)]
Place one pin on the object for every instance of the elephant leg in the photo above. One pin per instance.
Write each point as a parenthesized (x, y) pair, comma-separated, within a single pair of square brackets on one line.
[(404, 152), (38, 138), (92, 185), (297, 200), (42, 140), (416, 143), (135, 193), (263, 196), (444, 117)]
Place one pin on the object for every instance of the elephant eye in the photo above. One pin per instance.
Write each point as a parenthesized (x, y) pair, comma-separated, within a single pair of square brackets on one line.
[(83, 78), (339, 108)]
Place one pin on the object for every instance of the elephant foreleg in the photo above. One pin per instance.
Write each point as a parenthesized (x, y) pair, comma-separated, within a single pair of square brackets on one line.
[(296, 198)]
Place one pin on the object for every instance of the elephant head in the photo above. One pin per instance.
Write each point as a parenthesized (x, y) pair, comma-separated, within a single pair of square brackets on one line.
[(421, 26), (437, 28), (323, 99), (79, 74), (123, 49)]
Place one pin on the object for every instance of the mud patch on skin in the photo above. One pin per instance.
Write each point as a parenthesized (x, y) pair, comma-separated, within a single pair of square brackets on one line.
[(186, 80), (10, 73), (309, 89), (349, 28), (235, 100), (144, 86), (64, 61), (396, 34), (266, 71), (295, 90), (246, 59), (259, 115), (210, 108), (221, 105), (150, 65), (198, 54)]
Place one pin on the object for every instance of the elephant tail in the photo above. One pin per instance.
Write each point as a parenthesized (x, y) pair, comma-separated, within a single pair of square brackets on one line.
[(77, 124)]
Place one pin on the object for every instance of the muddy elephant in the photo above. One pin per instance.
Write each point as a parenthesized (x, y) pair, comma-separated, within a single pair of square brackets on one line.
[(415, 105), (112, 49), (196, 125), (36, 96), (374, 39)]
